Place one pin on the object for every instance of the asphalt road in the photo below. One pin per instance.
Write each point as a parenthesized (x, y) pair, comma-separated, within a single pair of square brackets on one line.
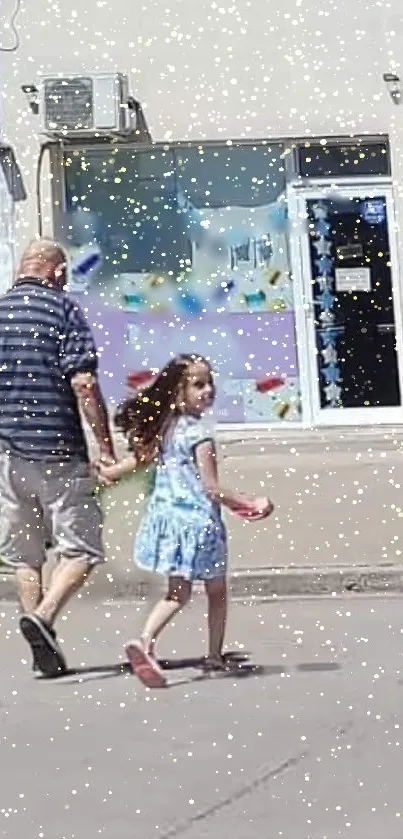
[(306, 746)]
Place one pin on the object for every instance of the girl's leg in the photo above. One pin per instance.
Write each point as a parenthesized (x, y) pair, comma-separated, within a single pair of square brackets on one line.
[(216, 590), (179, 591)]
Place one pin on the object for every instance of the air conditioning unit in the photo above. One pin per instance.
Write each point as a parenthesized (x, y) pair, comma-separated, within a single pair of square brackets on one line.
[(84, 105)]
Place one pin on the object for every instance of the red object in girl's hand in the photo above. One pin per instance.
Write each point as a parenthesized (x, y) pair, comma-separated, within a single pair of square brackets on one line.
[(253, 509)]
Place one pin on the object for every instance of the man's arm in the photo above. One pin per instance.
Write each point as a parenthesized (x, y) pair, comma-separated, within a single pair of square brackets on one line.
[(79, 363), (92, 406)]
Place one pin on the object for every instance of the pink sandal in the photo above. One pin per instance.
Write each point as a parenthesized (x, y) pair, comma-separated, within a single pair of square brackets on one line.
[(145, 666)]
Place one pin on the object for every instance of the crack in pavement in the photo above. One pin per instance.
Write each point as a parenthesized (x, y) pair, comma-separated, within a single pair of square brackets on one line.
[(266, 774)]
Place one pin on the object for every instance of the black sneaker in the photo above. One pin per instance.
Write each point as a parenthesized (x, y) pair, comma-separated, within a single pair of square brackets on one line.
[(47, 655), (35, 666)]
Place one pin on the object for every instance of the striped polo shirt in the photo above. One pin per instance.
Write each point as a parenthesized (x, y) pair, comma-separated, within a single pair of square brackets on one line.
[(44, 341)]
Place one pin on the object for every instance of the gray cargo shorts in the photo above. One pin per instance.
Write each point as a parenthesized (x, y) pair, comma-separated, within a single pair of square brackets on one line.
[(42, 502)]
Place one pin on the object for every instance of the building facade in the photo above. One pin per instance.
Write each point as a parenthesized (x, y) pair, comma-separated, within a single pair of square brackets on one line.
[(260, 228)]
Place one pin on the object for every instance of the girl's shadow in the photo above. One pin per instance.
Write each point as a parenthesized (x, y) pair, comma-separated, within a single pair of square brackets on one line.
[(239, 667)]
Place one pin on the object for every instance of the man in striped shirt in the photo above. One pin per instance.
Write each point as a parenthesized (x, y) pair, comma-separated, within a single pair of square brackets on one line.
[(48, 380)]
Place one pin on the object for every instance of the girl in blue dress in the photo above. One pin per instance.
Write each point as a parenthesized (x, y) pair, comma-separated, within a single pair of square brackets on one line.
[(182, 534)]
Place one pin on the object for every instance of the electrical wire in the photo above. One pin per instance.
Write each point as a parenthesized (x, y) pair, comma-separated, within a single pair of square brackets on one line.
[(14, 30)]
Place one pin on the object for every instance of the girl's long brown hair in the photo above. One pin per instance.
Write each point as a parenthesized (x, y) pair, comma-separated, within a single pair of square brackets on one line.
[(145, 419)]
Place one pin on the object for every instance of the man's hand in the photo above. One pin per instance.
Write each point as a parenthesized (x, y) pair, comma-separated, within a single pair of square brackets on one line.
[(106, 456), (92, 406)]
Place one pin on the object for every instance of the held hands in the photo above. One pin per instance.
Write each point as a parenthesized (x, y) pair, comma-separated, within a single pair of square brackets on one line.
[(110, 470), (107, 471)]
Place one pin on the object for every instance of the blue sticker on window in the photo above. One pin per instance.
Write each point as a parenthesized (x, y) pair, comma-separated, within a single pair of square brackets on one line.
[(374, 211)]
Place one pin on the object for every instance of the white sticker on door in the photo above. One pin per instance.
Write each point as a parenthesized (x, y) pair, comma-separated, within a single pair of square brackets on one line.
[(353, 279)]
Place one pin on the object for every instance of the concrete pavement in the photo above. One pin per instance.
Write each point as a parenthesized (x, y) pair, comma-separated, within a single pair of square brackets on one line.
[(307, 746), (337, 525)]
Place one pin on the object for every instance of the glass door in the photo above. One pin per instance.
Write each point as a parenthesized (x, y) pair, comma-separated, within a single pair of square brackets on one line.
[(348, 277)]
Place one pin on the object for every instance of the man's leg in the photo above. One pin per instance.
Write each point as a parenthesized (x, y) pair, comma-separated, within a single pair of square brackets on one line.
[(68, 577), (76, 521), (68, 503), (29, 588), (22, 532), (37, 627), (22, 544)]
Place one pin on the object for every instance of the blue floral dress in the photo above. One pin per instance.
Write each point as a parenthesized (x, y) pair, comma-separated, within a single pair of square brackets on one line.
[(182, 533)]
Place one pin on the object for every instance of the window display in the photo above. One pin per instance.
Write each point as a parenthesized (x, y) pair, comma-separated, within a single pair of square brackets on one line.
[(186, 249)]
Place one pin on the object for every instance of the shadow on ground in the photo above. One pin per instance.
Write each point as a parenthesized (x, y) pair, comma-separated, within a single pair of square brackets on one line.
[(240, 667)]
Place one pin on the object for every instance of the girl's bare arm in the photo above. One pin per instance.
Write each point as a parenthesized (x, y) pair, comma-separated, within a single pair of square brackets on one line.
[(206, 461)]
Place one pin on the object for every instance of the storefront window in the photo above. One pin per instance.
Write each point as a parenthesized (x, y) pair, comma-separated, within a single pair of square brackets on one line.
[(186, 250)]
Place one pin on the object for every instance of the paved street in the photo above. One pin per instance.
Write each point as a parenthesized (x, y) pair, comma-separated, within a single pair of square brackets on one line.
[(307, 746), (337, 495)]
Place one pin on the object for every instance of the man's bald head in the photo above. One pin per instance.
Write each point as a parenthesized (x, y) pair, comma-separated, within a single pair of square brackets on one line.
[(43, 259)]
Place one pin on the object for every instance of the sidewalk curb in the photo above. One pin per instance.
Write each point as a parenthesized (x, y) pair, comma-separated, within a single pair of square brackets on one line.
[(285, 582), (263, 583)]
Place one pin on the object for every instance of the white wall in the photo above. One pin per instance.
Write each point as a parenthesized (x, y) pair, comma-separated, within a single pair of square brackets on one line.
[(202, 69), (7, 236)]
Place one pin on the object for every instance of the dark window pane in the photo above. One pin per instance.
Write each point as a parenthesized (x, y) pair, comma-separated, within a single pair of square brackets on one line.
[(126, 201), (138, 204), (115, 174), (317, 160), (231, 176)]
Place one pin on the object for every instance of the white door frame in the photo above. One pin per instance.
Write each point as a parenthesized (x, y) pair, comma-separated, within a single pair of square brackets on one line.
[(304, 310)]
